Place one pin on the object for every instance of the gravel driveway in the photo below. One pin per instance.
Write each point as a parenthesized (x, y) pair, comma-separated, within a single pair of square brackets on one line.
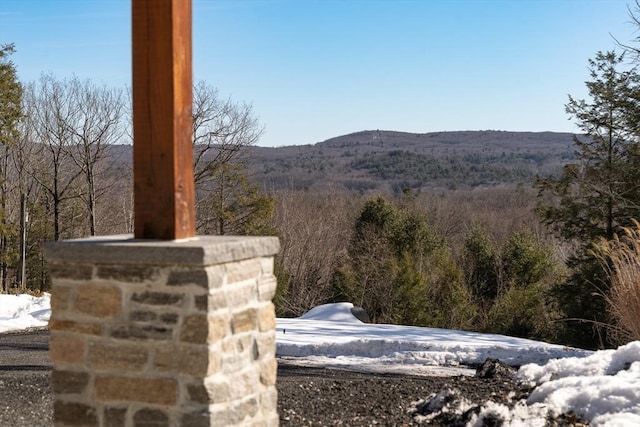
[(25, 389), (306, 396)]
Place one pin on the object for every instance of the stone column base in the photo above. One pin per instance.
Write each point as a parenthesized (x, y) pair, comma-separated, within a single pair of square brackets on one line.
[(163, 333)]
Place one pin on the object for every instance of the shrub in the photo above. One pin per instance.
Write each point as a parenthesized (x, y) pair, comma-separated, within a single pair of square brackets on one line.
[(526, 261), (480, 264), (400, 272), (524, 312), (523, 305)]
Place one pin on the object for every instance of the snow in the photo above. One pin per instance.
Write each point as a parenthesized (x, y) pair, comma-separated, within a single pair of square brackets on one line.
[(332, 332), (602, 387), (24, 311)]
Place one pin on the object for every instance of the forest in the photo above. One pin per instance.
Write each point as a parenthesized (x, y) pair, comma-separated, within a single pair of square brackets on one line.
[(389, 161), (548, 252)]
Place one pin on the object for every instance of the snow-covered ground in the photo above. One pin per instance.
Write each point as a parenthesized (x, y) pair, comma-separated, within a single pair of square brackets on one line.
[(602, 386), (331, 335)]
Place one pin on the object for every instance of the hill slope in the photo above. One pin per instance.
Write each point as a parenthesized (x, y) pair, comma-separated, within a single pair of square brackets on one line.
[(389, 161)]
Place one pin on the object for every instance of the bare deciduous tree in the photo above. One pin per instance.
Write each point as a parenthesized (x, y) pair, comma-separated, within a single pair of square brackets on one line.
[(55, 171), (314, 231), (95, 125), (223, 131), (76, 122)]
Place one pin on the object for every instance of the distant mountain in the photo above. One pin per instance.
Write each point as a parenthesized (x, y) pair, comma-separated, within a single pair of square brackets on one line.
[(389, 161)]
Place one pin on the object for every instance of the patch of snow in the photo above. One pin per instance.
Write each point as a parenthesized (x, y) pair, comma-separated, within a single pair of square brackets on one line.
[(446, 401), (24, 311), (603, 387), (338, 312)]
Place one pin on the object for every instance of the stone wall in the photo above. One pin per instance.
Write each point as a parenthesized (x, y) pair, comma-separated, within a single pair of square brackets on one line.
[(163, 333)]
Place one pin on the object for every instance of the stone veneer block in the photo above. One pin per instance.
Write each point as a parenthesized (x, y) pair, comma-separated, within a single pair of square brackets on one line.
[(163, 332), (97, 301), (161, 391)]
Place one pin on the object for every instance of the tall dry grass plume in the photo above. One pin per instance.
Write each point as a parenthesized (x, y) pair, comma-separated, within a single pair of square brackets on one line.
[(621, 258)]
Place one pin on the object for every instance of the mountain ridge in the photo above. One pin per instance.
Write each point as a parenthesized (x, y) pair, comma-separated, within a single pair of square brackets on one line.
[(383, 160)]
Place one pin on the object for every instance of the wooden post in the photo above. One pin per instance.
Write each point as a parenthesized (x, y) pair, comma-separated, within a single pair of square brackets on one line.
[(162, 119)]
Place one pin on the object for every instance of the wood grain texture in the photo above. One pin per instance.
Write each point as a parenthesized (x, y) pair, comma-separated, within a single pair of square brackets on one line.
[(162, 119)]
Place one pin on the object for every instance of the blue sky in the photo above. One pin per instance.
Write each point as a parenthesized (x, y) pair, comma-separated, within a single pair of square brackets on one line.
[(315, 69)]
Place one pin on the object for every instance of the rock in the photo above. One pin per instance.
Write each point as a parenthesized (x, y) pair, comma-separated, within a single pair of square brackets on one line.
[(361, 314), (494, 368)]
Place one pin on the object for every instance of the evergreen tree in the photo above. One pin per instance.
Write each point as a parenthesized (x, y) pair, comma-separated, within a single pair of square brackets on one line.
[(10, 114), (598, 194), (10, 96), (523, 306), (481, 265), (232, 205), (400, 271)]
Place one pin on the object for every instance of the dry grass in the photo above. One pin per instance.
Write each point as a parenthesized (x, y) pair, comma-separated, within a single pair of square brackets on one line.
[(621, 258)]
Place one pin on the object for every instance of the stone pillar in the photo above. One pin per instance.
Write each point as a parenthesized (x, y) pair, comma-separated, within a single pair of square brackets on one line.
[(163, 333)]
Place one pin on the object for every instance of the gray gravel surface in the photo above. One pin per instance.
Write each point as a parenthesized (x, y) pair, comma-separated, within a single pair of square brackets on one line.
[(327, 397), (25, 370), (306, 396)]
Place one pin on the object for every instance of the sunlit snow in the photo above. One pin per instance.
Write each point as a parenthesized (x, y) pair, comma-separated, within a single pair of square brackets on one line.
[(602, 387), (331, 331), (24, 311)]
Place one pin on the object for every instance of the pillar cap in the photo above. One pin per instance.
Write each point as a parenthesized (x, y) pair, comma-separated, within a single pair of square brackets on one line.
[(194, 251)]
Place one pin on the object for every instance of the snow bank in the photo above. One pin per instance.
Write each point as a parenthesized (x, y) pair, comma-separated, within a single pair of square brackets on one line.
[(338, 312), (24, 311), (603, 387), (332, 331)]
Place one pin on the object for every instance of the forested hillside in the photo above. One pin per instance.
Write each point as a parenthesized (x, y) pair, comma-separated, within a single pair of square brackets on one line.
[(390, 161)]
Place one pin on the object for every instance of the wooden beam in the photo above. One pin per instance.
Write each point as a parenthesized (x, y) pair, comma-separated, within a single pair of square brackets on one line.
[(162, 119)]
